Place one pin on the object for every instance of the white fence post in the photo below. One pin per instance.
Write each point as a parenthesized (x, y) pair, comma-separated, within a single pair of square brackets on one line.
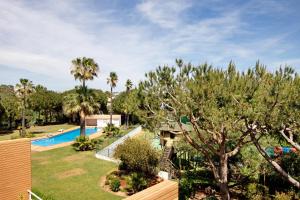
[(32, 194)]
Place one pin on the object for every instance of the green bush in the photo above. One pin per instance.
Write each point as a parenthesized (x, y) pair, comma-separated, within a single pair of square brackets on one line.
[(115, 185), (284, 196), (138, 156), (13, 137), (83, 143), (97, 143), (111, 130), (136, 182), (186, 188), (29, 135)]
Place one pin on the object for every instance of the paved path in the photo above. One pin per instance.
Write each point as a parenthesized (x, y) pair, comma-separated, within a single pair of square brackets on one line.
[(108, 152)]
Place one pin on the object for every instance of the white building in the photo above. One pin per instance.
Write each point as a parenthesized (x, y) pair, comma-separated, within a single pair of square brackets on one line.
[(102, 120)]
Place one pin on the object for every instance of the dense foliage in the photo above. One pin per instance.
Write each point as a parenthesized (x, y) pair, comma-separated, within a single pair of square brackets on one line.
[(137, 182), (43, 107), (83, 143), (227, 110), (111, 130), (137, 156)]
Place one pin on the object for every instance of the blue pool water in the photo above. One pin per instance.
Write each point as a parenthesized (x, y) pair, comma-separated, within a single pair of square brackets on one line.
[(64, 137)]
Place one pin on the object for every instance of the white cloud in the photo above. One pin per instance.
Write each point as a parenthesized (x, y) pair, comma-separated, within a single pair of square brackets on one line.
[(44, 38), (165, 13)]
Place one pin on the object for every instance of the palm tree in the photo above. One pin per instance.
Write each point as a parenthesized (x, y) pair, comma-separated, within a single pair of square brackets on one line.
[(83, 69), (128, 85), (82, 102), (112, 81), (23, 90)]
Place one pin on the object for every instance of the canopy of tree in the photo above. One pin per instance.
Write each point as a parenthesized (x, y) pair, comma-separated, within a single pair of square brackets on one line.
[(226, 108)]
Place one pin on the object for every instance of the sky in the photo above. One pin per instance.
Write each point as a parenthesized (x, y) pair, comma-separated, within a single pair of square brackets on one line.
[(39, 39)]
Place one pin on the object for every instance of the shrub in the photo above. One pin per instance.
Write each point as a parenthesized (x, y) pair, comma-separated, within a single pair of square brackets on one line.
[(97, 143), (83, 143), (111, 129), (122, 166), (13, 137), (136, 182), (115, 185), (29, 135), (138, 156), (286, 196)]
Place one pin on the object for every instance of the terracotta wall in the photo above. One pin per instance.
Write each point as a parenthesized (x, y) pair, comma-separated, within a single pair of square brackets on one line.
[(15, 169)]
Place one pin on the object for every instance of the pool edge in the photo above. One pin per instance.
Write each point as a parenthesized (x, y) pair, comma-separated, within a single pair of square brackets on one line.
[(44, 148)]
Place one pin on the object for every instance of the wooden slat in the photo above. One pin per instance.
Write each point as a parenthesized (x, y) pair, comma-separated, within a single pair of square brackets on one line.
[(166, 190)]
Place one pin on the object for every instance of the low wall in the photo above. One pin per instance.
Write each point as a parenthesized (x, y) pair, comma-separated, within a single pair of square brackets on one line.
[(15, 169), (166, 190)]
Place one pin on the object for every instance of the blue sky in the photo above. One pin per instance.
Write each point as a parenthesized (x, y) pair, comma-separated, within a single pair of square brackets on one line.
[(38, 39)]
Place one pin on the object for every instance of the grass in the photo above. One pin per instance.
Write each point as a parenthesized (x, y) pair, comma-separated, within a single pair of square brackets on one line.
[(146, 135), (66, 174), (36, 130)]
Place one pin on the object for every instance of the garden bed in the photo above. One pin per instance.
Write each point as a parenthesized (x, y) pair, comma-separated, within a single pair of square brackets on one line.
[(123, 183)]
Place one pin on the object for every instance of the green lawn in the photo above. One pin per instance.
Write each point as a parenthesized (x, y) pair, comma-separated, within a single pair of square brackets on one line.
[(146, 135), (66, 174), (36, 130)]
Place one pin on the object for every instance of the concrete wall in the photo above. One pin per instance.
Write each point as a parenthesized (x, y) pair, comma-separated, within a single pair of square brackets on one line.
[(15, 169)]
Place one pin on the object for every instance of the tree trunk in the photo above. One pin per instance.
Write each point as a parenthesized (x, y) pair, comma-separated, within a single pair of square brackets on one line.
[(291, 136), (46, 117), (10, 122), (82, 123), (51, 116), (223, 171), (23, 120), (127, 120), (110, 112)]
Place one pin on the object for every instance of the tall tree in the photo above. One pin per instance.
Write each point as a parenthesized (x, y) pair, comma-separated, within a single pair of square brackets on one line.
[(23, 90), (226, 109), (82, 102), (9, 103), (128, 85), (126, 103), (112, 81), (84, 69)]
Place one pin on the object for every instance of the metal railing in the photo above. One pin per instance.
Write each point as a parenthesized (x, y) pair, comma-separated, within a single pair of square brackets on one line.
[(109, 150), (31, 194)]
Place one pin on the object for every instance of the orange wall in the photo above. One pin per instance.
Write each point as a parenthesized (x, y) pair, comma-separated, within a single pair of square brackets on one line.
[(15, 169)]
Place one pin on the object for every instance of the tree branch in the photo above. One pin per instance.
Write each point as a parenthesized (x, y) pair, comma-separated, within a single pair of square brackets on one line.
[(294, 144), (277, 167), (196, 128)]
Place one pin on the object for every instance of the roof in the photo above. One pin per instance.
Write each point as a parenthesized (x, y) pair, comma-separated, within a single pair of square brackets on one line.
[(167, 190), (118, 117)]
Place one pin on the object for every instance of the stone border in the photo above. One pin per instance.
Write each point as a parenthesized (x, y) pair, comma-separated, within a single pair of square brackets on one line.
[(42, 148), (106, 188)]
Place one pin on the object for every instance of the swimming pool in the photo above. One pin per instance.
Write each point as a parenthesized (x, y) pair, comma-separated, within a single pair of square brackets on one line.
[(64, 137)]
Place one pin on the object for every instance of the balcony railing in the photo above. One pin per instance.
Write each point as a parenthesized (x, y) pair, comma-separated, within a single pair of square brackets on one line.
[(33, 196)]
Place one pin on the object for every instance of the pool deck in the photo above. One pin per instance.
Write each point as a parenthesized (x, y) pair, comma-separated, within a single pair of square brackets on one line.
[(42, 148)]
